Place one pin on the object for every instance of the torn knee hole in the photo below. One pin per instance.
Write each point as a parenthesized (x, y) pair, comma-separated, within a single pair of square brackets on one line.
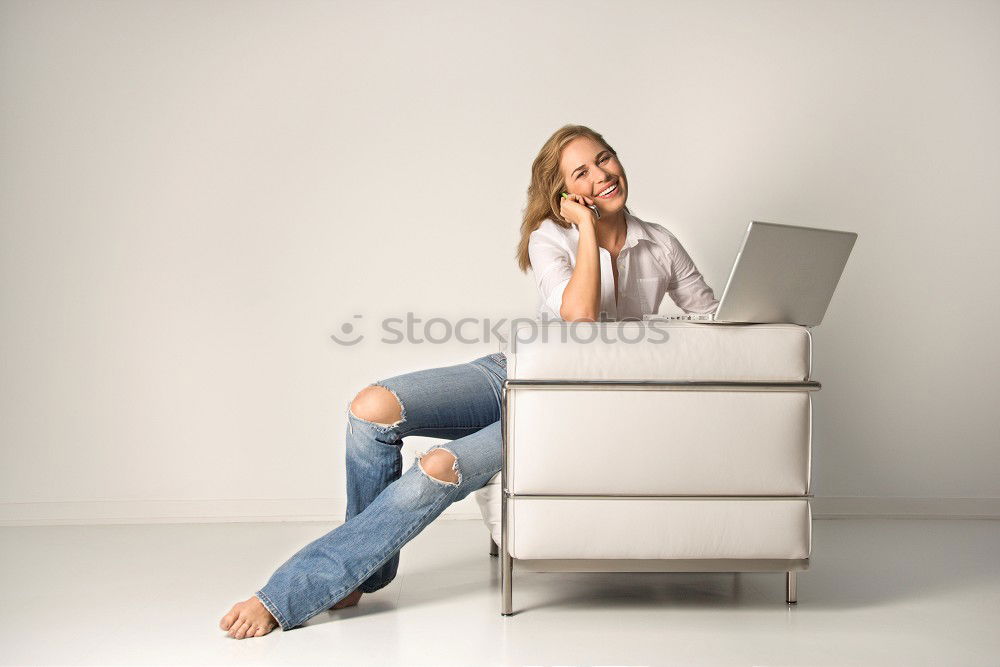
[(440, 464), (378, 405)]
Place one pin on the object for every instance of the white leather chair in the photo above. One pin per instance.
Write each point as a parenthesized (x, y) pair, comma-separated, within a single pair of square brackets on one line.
[(658, 446)]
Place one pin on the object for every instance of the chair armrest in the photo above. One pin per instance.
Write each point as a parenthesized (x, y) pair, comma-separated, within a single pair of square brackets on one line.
[(659, 350)]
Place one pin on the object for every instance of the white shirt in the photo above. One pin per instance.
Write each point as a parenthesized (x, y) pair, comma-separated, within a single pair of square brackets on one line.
[(651, 263)]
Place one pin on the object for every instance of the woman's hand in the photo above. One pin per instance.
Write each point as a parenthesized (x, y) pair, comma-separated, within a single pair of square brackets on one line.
[(573, 208)]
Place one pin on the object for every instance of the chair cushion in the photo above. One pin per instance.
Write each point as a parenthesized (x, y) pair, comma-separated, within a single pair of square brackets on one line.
[(649, 442), (651, 528), (658, 350), (660, 528)]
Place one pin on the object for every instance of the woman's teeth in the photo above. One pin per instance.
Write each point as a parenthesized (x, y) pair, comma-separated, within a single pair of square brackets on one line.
[(610, 192)]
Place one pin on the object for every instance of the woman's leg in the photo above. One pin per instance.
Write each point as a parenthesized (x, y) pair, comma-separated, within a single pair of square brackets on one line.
[(386, 508), (448, 402)]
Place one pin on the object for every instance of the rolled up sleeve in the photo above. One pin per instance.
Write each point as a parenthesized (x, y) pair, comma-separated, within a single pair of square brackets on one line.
[(687, 288), (552, 270)]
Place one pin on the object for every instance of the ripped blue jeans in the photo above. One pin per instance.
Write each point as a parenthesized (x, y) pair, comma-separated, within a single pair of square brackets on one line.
[(386, 507)]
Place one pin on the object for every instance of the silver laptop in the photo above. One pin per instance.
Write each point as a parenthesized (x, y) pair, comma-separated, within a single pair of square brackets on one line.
[(782, 273)]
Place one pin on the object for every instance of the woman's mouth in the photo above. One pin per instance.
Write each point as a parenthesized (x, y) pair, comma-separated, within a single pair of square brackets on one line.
[(609, 193)]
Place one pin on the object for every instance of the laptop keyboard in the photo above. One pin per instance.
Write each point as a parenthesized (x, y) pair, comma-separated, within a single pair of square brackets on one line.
[(694, 317)]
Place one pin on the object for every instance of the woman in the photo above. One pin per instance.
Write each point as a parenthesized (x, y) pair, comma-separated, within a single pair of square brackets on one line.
[(586, 268)]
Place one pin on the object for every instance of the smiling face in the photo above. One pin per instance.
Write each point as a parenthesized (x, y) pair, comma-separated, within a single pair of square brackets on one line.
[(589, 168)]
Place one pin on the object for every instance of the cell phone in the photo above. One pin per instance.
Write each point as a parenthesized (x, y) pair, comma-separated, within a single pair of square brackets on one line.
[(592, 207)]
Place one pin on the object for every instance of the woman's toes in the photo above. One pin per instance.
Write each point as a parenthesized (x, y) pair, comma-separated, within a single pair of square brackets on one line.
[(249, 618), (237, 627), (228, 619), (243, 629)]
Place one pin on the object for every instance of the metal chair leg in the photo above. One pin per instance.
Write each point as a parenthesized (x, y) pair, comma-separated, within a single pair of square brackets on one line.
[(506, 562), (791, 596), (494, 549), (506, 584)]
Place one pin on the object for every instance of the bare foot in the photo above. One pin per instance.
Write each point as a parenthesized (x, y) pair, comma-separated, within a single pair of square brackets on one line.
[(349, 601), (249, 618)]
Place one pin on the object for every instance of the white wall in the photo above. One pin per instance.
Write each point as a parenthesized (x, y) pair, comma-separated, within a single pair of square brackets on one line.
[(194, 196)]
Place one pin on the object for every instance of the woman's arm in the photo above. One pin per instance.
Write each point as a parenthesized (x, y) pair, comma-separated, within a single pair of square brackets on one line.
[(571, 292), (687, 288), (581, 300)]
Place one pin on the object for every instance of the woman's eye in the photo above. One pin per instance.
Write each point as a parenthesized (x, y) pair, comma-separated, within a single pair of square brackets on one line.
[(603, 159)]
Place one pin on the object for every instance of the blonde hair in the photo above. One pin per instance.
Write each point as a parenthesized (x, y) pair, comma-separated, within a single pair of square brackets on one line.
[(547, 186)]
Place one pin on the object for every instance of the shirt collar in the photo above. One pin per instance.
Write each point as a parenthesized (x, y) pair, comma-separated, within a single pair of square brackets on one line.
[(634, 231)]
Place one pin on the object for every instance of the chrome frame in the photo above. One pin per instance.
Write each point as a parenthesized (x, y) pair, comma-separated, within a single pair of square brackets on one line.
[(658, 565), (659, 385)]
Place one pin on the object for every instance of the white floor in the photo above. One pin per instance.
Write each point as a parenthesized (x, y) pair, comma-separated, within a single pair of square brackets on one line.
[(879, 592)]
